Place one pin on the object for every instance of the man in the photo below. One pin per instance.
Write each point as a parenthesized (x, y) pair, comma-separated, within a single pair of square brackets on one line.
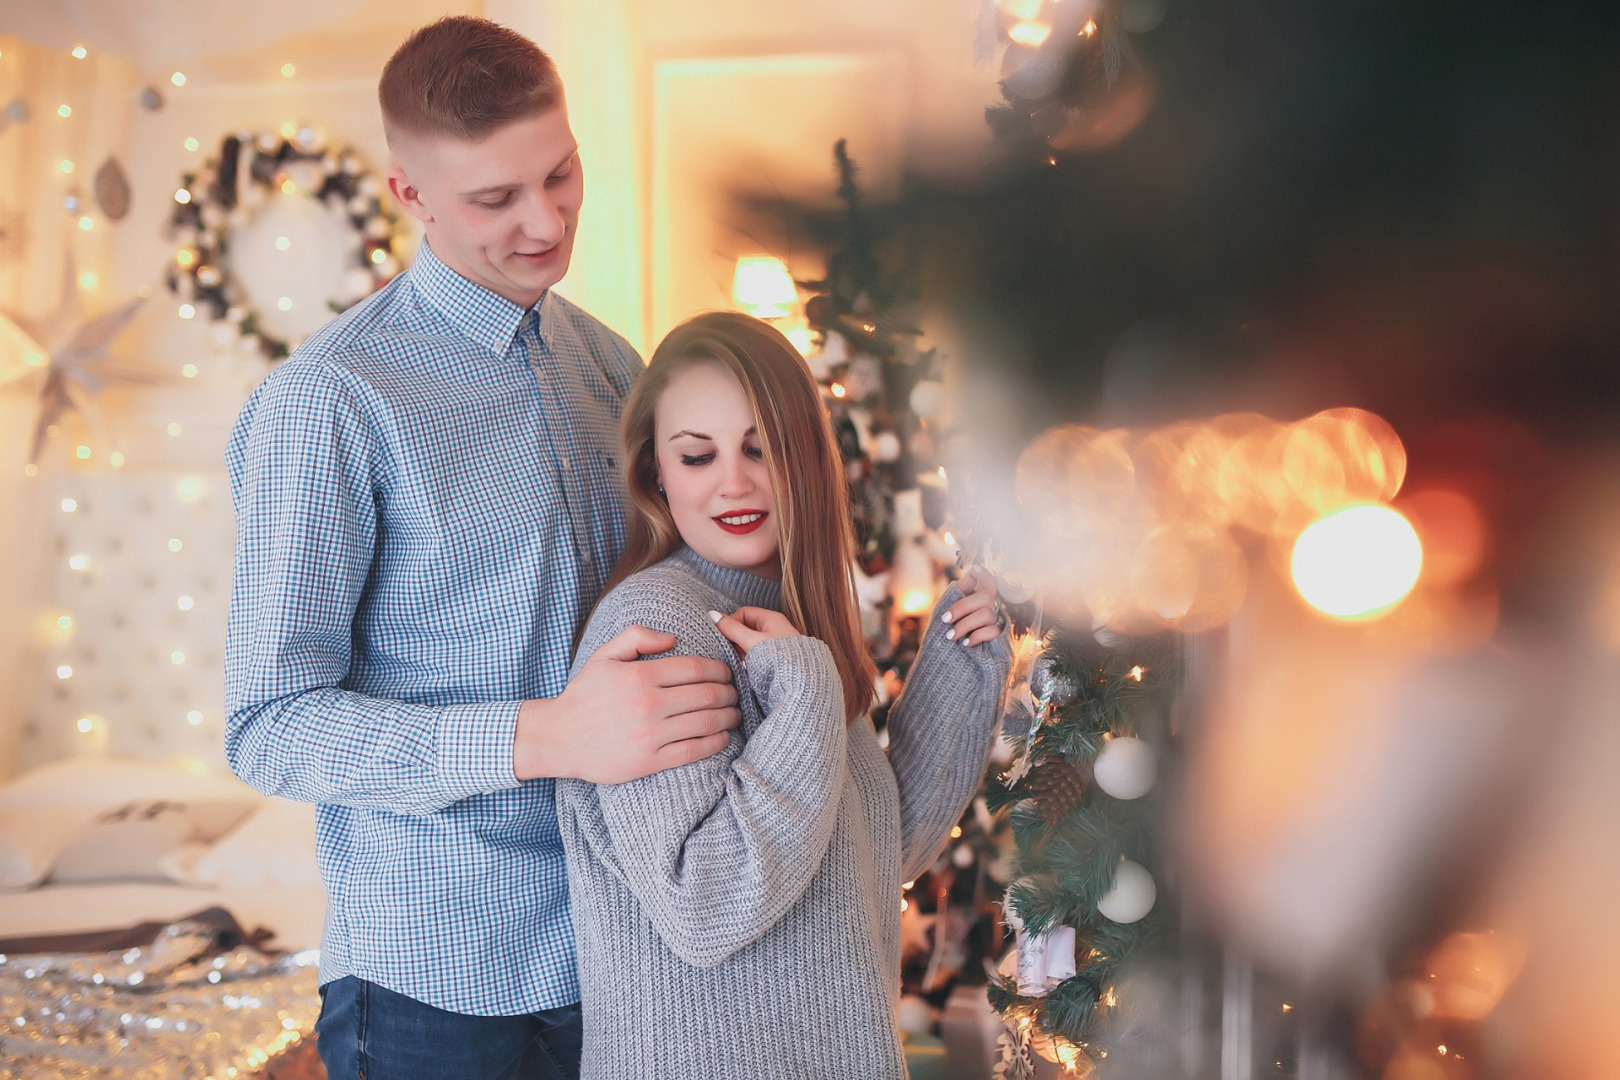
[(428, 504)]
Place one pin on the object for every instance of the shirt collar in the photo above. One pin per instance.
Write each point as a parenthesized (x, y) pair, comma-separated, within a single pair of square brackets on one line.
[(489, 319)]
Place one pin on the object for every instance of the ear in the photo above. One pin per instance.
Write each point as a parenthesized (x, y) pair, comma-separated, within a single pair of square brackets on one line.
[(406, 194)]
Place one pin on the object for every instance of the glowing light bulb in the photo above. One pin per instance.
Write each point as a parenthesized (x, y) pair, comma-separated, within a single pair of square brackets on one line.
[(64, 622), (178, 78), (80, 52), (188, 371), (116, 459), (379, 256), (185, 603), (956, 832), (87, 223), (194, 718), (87, 280), (183, 196), (173, 429), (64, 111), (177, 658), (1032, 34), (1357, 562), (78, 562), (288, 188), (175, 544), (85, 724), (915, 601), (69, 505), (66, 165), (186, 311), (82, 453), (763, 287), (192, 144), (64, 671), (838, 390), (282, 243), (288, 71), (285, 303)]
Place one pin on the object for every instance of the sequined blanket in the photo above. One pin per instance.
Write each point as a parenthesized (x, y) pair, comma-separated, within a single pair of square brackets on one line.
[(200, 1001)]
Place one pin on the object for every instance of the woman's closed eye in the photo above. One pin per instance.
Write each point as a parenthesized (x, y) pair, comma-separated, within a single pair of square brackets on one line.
[(697, 459)]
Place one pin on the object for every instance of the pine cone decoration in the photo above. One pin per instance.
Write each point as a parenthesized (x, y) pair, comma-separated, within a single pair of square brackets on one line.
[(1057, 788)]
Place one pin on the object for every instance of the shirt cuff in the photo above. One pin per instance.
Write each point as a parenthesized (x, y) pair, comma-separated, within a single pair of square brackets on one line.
[(473, 747)]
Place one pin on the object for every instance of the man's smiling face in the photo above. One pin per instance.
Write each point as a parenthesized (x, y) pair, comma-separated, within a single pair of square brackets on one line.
[(502, 211)]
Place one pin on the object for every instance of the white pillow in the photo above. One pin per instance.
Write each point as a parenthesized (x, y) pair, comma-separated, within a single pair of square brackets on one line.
[(54, 808), (31, 838), (132, 842), (275, 846)]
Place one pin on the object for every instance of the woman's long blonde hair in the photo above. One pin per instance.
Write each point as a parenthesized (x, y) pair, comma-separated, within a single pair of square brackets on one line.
[(807, 475)]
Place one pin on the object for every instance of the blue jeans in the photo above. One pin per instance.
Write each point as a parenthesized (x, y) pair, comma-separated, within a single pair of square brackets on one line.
[(369, 1033)]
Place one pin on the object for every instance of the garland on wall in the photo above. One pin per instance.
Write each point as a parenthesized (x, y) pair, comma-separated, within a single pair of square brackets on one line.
[(220, 197)]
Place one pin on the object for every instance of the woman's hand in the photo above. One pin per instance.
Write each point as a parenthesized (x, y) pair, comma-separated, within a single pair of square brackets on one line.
[(748, 626), (976, 618)]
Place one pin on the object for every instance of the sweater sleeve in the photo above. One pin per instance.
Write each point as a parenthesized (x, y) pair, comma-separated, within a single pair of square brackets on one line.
[(718, 851), (940, 733)]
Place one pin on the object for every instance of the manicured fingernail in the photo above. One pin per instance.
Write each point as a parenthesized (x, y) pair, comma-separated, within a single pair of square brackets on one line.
[(945, 617), (950, 635), (715, 616)]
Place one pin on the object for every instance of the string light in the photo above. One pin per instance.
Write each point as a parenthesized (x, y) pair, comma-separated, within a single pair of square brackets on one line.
[(78, 562), (175, 544), (177, 658), (64, 622), (838, 390), (87, 223), (69, 505), (288, 188), (379, 256), (1089, 29), (1024, 9), (80, 52), (956, 832), (187, 311), (116, 459), (85, 724), (173, 429), (192, 144), (66, 166), (82, 453), (185, 256), (64, 671), (64, 111), (285, 303), (189, 371), (185, 603), (183, 197), (282, 243), (178, 78), (194, 718)]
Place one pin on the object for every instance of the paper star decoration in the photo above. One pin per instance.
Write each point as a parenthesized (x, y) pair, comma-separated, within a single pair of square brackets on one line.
[(915, 930), (70, 353)]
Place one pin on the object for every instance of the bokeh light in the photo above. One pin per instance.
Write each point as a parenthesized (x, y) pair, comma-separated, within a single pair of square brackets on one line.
[(1357, 562)]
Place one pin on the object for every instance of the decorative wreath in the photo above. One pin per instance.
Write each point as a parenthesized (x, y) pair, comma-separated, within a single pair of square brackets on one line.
[(211, 202)]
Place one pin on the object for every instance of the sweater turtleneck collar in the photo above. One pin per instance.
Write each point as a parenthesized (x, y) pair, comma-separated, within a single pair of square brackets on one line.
[(748, 590)]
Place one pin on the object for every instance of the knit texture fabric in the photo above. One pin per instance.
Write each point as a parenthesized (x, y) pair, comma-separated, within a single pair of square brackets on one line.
[(740, 916)]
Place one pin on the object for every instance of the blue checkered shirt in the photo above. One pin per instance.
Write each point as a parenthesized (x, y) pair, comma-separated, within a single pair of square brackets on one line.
[(427, 501)]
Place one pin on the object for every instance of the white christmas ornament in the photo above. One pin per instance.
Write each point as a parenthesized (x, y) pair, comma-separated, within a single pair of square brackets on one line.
[(886, 446), (1132, 895), (1126, 767), (928, 399)]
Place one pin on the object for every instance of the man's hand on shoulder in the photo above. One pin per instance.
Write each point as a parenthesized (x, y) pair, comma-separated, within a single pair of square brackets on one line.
[(623, 718)]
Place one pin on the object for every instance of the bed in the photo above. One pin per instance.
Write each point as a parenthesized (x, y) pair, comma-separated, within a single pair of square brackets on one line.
[(155, 922)]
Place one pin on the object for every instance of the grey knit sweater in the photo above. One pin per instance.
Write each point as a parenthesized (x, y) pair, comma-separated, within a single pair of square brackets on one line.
[(739, 917)]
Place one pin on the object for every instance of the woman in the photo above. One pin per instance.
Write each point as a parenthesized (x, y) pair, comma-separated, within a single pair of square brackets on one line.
[(739, 916)]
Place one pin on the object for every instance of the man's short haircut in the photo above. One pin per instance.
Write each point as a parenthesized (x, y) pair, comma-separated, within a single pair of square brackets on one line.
[(465, 77)]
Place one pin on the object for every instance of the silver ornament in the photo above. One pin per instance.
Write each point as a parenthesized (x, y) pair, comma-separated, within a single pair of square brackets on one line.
[(1048, 683)]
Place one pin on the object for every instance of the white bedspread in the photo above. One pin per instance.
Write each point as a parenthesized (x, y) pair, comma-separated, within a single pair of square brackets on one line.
[(294, 912)]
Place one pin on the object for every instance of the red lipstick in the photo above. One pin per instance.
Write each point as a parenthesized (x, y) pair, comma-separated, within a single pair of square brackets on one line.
[(739, 523)]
